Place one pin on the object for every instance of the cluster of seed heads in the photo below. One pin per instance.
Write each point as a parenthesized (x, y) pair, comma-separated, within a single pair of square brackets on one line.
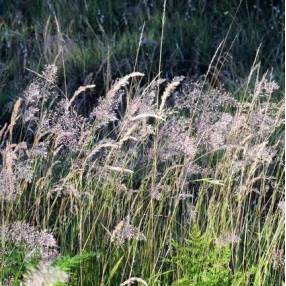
[(124, 231), (32, 238), (166, 124)]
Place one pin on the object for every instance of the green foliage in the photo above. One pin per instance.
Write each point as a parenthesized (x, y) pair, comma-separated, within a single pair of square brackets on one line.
[(14, 262), (69, 263), (73, 264), (201, 262)]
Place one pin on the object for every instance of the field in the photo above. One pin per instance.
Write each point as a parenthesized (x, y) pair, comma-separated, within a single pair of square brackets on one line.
[(142, 143)]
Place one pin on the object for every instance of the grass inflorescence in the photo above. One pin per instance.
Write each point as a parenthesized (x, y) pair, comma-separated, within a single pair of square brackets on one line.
[(169, 182)]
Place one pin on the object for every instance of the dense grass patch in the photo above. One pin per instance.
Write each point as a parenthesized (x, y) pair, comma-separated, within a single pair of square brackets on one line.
[(117, 170), (170, 183)]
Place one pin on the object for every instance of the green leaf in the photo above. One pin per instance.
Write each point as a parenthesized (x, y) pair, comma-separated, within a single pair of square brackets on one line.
[(115, 268)]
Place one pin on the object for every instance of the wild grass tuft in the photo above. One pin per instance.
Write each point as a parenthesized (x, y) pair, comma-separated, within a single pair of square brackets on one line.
[(167, 183)]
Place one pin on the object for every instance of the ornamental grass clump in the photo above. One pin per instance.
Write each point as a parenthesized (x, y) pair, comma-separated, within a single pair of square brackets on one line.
[(131, 179)]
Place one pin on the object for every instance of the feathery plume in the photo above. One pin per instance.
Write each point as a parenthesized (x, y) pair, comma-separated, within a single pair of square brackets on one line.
[(45, 275), (226, 239), (80, 90), (105, 110), (169, 90), (125, 231), (24, 234), (15, 115)]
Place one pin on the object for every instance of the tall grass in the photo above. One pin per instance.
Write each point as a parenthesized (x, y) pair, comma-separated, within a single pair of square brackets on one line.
[(102, 43), (161, 179), (169, 182)]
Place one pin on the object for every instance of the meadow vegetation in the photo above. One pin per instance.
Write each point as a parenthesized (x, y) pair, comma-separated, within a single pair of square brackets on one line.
[(134, 174)]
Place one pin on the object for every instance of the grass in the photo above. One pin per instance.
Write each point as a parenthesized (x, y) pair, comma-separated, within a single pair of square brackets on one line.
[(143, 202), (103, 41), (151, 179)]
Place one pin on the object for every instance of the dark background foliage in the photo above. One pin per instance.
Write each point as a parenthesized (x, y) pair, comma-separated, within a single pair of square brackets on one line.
[(98, 40)]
